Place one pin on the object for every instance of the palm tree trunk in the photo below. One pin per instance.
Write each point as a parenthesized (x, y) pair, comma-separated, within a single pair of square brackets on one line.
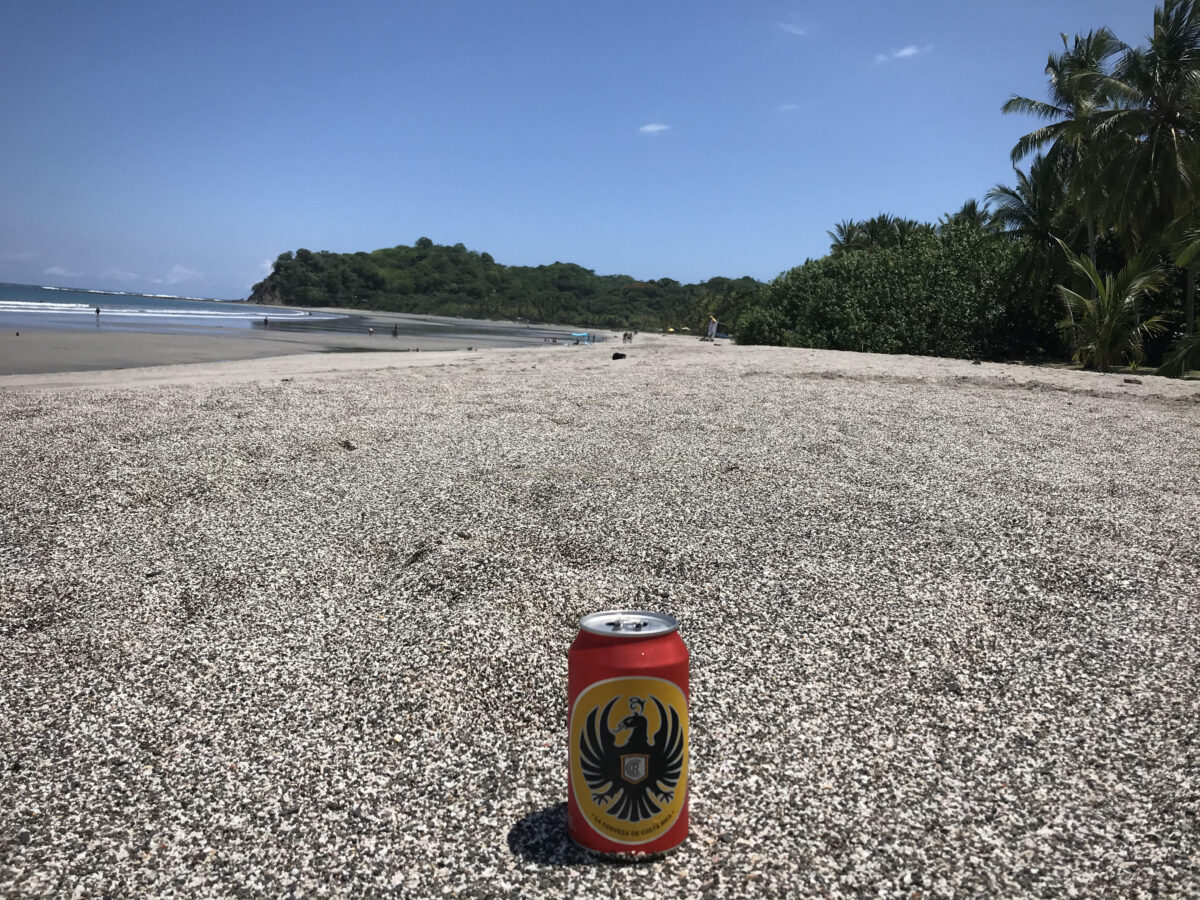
[(1189, 313), (1091, 228)]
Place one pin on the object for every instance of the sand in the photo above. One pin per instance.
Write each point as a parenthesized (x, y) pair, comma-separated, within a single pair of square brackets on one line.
[(57, 359), (298, 625)]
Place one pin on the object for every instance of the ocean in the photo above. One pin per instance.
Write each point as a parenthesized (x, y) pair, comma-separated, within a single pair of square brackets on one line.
[(34, 308), (39, 308)]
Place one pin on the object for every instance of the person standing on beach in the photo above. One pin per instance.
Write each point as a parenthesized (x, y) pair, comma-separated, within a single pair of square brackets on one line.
[(97, 312), (712, 328)]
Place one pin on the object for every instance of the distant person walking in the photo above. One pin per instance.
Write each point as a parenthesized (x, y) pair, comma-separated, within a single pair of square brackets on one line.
[(395, 331), (97, 312), (712, 328)]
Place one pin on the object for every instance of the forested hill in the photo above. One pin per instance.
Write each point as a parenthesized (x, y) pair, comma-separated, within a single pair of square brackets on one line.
[(455, 281)]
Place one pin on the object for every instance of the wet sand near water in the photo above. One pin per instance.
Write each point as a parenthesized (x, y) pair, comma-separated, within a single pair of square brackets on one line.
[(41, 352)]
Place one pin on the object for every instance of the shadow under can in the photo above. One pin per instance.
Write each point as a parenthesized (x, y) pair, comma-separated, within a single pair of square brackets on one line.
[(542, 837)]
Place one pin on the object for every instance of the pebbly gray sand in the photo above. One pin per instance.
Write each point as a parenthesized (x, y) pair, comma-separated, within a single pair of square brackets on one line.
[(944, 622)]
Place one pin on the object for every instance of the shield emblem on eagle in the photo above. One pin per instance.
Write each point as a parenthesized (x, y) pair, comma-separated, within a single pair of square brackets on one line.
[(635, 766)]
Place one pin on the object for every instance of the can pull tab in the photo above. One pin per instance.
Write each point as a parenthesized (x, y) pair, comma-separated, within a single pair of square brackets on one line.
[(627, 624)]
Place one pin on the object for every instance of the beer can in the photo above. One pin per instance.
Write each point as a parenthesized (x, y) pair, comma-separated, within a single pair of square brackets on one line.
[(627, 696)]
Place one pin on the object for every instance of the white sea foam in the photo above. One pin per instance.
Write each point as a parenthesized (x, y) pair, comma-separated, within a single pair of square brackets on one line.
[(33, 306), (47, 308), (49, 287)]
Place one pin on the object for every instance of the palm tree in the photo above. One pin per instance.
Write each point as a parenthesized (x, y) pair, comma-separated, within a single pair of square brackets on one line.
[(1031, 211), (1151, 135), (1108, 326), (971, 214), (846, 235), (907, 229), (1073, 102), (1153, 126), (882, 232)]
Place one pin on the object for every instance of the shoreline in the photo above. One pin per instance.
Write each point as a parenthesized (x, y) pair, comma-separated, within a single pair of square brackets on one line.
[(65, 350), (289, 366), (206, 362)]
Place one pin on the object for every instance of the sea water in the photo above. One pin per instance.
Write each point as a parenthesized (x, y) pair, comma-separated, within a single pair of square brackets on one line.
[(40, 308), (24, 306)]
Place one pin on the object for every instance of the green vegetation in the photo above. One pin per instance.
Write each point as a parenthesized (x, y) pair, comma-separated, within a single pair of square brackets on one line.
[(455, 281), (1108, 326), (947, 292)]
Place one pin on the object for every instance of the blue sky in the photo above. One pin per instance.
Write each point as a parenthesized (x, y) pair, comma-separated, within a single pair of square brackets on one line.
[(177, 146)]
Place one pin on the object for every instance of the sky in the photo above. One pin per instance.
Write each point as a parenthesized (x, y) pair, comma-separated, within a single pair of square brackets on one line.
[(179, 147)]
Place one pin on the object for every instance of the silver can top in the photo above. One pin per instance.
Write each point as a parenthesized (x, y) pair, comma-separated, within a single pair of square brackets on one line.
[(630, 623)]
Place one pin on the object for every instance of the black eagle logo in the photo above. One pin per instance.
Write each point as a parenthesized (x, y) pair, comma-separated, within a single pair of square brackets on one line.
[(631, 776)]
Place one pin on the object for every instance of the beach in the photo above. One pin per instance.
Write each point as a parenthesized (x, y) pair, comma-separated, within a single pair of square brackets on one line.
[(298, 624)]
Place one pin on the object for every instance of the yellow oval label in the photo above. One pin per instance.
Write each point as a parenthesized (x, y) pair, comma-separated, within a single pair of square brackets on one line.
[(629, 750)]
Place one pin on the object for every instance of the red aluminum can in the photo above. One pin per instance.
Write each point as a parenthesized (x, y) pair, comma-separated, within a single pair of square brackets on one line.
[(627, 696)]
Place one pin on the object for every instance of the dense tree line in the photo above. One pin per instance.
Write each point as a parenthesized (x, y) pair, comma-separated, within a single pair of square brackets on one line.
[(1091, 254), (944, 291), (433, 278)]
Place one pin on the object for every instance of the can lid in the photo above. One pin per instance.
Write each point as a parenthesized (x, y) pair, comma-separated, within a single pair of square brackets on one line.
[(630, 623)]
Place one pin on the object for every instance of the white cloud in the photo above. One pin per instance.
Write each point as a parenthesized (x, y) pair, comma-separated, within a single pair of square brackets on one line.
[(121, 275), (267, 266), (18, 256), (788, 107), (181, 273), (793, 28), (903, 53), (60, 272), (653, 128)]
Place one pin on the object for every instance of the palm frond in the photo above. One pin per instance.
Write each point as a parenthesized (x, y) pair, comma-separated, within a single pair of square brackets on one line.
[(1137, 277), (1017, 104), (1078, 306), (1035, 141), (1187, 250), (1183, 355)]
